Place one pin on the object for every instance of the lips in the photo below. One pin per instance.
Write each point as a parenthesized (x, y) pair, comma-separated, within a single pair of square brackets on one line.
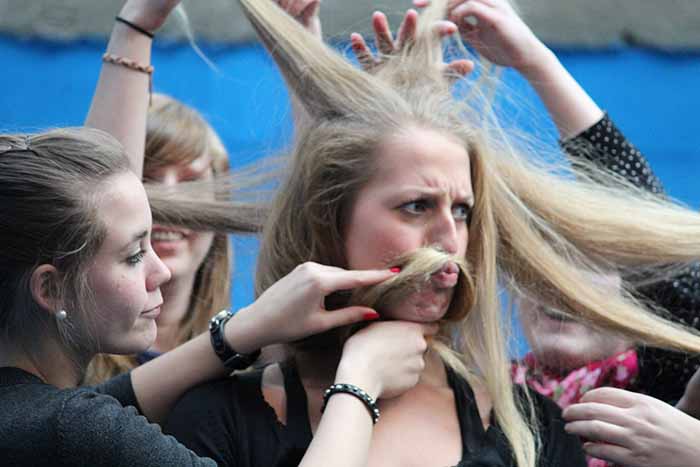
[(153, 312), (447, 277), (168, 234)]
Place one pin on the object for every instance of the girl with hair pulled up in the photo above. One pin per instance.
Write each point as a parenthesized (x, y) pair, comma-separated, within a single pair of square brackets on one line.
[(389, 162)]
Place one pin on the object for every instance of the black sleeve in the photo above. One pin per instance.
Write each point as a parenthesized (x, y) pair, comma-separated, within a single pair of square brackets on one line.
[(205, 420), (605, 146), (121, 389), (558, 447), (663, 374), (94, 429)]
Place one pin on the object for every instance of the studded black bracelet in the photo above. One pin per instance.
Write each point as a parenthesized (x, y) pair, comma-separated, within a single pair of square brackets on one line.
[(353, 390)]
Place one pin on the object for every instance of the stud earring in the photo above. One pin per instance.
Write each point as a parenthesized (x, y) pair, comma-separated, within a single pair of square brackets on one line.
[(61, 315)]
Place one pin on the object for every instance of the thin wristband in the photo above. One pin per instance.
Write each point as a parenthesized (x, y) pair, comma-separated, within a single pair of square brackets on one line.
[(353, 390), (135, 27)]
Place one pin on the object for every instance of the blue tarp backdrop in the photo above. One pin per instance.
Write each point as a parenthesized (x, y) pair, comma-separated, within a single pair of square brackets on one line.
[(654, 97)]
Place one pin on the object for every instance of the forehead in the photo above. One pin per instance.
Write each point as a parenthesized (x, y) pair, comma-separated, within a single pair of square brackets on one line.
[(424, 157), (123, 209)]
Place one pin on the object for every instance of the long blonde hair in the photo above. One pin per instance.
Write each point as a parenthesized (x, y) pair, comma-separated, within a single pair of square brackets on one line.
[(532, 228), (177, 134)]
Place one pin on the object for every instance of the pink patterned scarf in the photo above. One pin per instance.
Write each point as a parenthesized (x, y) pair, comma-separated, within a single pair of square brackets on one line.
[(618, 371)]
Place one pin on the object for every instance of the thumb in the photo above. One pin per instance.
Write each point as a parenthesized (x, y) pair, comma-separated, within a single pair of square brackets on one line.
[(349, 315)]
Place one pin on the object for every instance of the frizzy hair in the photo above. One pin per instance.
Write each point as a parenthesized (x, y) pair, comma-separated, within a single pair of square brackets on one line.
[(177, 134), (49, 187), (538, 230)]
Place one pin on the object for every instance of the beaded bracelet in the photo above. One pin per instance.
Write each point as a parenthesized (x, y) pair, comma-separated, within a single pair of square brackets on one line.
[(353, 390)]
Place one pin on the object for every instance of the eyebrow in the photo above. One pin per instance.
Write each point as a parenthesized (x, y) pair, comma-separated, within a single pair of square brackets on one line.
[(427, 191), (136, 238)]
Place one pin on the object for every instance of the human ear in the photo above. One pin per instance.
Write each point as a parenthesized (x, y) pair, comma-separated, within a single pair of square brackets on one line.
[(44, 287)]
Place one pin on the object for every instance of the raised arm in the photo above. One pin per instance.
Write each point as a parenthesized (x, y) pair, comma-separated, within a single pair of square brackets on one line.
[(120, 103)]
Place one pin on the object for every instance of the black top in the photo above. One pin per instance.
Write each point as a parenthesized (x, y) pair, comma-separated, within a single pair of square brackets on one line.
[(230, 421), (41, 425), (662, 374)]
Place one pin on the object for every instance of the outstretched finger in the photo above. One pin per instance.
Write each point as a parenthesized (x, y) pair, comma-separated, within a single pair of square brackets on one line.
[(458, 69), (382, 33), (359, 47), (444, 28), (334, 279), (596, 411), (599, 431), (612, 396), (407, 30), (347, 316)]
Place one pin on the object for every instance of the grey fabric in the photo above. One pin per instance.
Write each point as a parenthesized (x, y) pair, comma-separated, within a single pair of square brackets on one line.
[(42, 425)]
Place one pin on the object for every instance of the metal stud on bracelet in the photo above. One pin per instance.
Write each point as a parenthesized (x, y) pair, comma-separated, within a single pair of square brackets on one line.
[(353, 390)]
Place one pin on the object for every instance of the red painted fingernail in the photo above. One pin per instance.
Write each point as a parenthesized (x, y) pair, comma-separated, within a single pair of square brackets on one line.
[(395, 269), (370, 315)]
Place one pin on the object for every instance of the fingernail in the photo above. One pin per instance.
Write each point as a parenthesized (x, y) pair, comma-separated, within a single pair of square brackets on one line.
[(370, 315), (395, 269)]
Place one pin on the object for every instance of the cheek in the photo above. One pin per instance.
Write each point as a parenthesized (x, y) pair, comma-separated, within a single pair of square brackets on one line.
[(121, 296), (201, 243), (374, 238)]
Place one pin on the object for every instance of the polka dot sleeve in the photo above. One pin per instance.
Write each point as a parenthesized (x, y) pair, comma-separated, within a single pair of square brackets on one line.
[(606, 146), (663, 374)]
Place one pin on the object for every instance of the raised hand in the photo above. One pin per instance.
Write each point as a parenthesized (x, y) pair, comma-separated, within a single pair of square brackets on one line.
[(386, 358), (305, 11), (496, 31), (633, 429), (386, 45)]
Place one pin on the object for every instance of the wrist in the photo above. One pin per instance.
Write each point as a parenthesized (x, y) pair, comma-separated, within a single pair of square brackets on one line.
[(242, 334), (541, 66), (350, 373)]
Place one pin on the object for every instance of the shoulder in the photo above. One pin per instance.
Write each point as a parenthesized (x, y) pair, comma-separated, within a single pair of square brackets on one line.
[(95, 429)]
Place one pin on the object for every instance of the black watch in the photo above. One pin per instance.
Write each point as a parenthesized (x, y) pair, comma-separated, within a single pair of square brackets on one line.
[(231, 359)]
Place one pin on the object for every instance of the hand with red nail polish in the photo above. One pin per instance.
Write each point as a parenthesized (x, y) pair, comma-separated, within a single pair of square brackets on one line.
[(293, 308)]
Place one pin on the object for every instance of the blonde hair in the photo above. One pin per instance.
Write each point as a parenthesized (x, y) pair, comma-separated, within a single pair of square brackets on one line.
[(533, 228), (176, 135)]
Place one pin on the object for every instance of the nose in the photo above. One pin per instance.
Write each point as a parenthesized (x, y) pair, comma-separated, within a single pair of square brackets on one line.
[(443, 232), (158, 275)]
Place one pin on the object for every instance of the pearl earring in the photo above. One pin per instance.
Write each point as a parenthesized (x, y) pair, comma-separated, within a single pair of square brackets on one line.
[(61, 315)]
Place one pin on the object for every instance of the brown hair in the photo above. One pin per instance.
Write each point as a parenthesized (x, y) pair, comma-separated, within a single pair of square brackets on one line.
[(49, 183)]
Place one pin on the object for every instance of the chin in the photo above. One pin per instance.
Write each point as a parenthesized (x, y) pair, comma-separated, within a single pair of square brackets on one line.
[(418, 311)]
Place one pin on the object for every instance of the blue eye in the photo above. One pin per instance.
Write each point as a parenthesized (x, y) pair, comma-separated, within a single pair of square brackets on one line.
[(462, 212), (136, 259), (418, 206)]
